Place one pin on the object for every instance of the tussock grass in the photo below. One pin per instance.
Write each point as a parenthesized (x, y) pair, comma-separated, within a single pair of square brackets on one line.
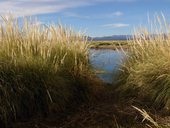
[(146, 72), (38, 68)]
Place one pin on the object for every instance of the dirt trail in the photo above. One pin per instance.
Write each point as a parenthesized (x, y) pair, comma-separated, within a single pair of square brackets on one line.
[(105, 112)]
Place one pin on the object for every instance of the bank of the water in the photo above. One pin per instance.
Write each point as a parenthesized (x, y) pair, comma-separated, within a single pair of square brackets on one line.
[(114, 44), (111, 47)]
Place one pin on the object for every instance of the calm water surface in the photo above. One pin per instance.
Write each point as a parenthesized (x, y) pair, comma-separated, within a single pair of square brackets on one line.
[(106, 63)]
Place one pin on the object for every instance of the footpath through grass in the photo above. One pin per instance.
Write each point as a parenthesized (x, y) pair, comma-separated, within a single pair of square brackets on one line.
[(45, 80)]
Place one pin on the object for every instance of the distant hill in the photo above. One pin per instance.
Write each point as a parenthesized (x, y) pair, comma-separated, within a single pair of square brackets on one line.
[(108, 38)]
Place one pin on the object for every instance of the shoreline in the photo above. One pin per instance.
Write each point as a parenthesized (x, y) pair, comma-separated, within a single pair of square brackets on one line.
[(114, 45), (109, 47)]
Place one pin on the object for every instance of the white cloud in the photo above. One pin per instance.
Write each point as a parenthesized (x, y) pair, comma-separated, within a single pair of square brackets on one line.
[(118, 13), (29, 7), (75, 15), (34, 7), (115, 25), (113, 14), (101, 16)]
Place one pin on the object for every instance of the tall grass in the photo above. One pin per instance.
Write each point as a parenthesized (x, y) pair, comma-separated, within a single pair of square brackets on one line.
[(53, 45), (38, 65), (146, 72)]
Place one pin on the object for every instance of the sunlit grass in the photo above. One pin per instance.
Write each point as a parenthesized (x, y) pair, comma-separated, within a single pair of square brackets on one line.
[(38, 65), (146, 72)]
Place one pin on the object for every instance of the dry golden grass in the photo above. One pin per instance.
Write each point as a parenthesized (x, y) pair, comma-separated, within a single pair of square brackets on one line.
[(146, 73), (38, 68)]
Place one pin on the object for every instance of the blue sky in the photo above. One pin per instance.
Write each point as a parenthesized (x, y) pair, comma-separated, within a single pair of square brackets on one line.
[(95, 17)]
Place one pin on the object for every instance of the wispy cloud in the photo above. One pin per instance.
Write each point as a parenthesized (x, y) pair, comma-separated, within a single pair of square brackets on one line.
[(75, 15), (30, 7), (35, 7), (113, 14), (115, 25), (101, 16), (118, 13)]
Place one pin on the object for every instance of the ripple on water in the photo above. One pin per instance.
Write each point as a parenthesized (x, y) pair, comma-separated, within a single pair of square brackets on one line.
[(106, 62)]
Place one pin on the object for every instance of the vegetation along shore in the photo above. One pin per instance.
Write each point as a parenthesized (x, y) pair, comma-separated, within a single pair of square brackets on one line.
[(116, 44)]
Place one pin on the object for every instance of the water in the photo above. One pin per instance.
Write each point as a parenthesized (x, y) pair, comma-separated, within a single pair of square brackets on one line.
[(106, 63)]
